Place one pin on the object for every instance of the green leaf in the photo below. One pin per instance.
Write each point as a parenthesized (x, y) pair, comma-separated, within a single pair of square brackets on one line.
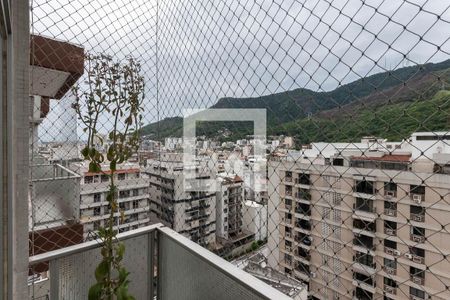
[(102, 270), (120, 250), (85, 152), (123, 274), (94, 167), (95, 292)]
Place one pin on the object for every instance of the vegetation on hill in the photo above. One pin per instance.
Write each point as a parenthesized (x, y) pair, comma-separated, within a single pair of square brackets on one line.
[(390, 104), (394, 122)]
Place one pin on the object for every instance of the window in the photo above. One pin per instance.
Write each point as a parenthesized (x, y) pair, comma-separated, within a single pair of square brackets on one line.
[(287, 244), (338, 162), (88, 179), (390, 187), (390, 263), (418, 231), (365, 259), (97, 197), (121, 176), (124, 194), (135, 204), (390, 282), (97, 211), (416, 292), (104, 178), (135, 192), (417, 189), (417, 251), (364, 186), (415, 272), (363, 278)]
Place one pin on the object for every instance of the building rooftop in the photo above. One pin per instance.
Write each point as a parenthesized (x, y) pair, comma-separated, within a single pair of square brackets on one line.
[(256, 265)]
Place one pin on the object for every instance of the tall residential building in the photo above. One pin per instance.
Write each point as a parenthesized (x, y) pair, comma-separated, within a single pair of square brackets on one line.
[(192, 214), (133, 198), (364, 220), (229, 212)]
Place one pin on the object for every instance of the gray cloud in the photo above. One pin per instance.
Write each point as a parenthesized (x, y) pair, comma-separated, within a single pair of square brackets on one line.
[(212, 49)]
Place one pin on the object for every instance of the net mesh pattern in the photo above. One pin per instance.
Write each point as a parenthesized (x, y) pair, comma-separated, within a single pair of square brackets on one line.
[(355, 201)]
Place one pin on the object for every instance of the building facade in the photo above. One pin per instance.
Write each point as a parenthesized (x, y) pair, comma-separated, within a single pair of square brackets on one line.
[(133, 198), (367, 222), (192, 214)]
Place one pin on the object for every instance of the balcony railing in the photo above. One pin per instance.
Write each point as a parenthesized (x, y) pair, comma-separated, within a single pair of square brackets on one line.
[(161, 262)]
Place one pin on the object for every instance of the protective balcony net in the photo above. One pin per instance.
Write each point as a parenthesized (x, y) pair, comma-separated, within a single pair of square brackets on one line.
[(305, 142)]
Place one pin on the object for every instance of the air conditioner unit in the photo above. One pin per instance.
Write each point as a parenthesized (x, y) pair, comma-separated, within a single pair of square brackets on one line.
[(408, 255), (417, 198), (390, 193), (390, 212), (418, 218), (397, 253), (311, 239), (418, 238), (313, 275), (390, 271), (417, 280), (389, 289)]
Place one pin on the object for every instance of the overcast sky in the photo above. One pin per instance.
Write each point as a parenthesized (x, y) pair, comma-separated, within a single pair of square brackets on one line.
[(216, 48)]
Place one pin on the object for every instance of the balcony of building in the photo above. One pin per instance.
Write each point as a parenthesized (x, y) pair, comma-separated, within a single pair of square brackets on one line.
[(304, 209), (303, 239), (288, 179), (390, 266), (364, 227), (417, 213), (365, 209), (288, 191), (390, 208), (303, 195), (304, 254), (390, 247), (417, 193), (364, 242), (390, 286), (417, 275), (365, 282), (161, 262), (303, 179), (417, 234), (365, 261), (390, 228), (54, 196), (416, 255), (390, 190), (364, 187), (362, 294), (303, 224)]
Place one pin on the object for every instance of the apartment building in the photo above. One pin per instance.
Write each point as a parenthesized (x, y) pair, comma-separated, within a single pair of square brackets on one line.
[(364, 220), (230, 229), (191, 213), (133, 198)]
